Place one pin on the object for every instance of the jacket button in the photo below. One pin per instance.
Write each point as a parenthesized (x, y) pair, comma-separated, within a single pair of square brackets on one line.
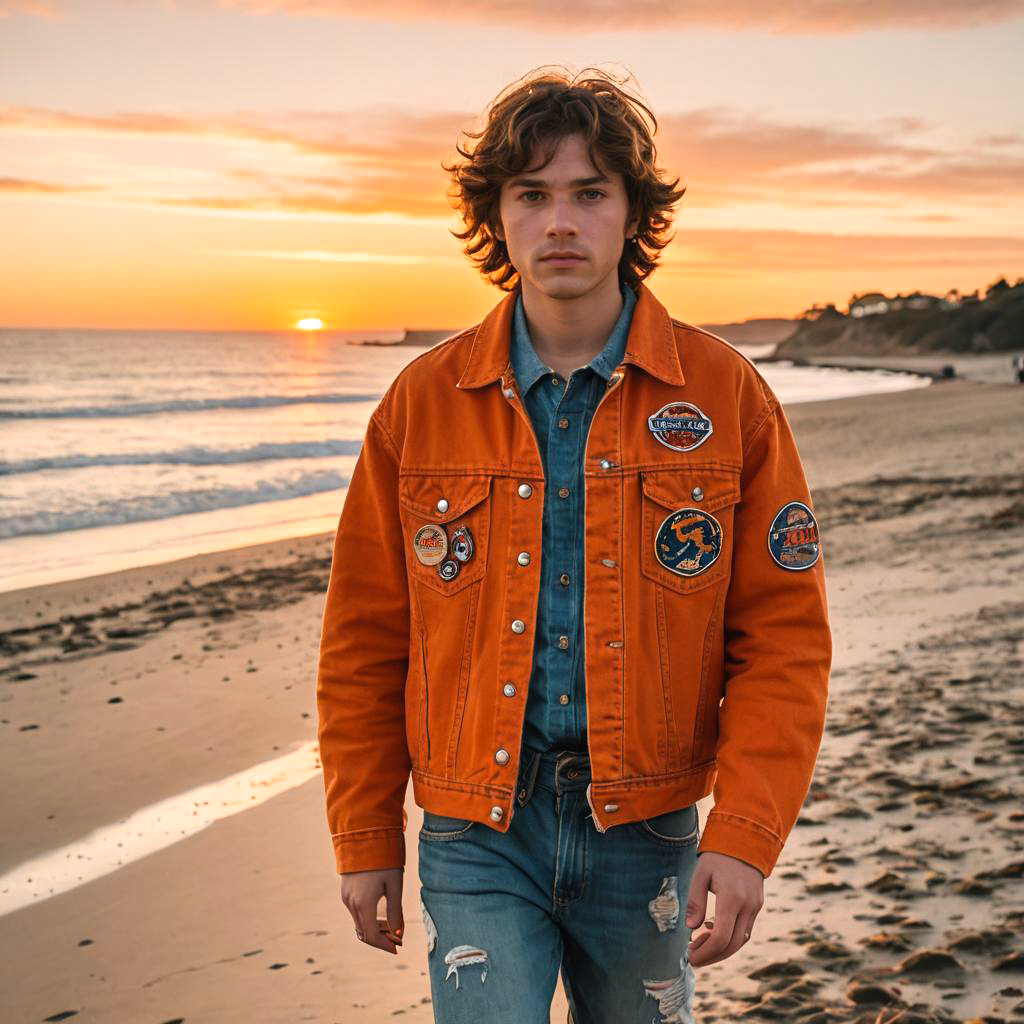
[(563, 642), (696, 494), (563, 699), (607, 464), (525, 490), (442, 505), (564, 579), (611, 807), (563, 423), (501, 756), (509, 690), (496, 813), (518, 626), (524, 558)]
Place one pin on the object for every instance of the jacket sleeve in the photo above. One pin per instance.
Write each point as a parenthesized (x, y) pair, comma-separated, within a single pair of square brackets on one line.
[(778, 652), (363, 660)]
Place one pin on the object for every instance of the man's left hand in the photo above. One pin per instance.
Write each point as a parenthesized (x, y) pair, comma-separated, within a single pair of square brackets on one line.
[(739, 896)]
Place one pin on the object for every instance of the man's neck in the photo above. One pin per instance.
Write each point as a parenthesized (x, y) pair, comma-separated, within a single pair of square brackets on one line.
[(568, 333)]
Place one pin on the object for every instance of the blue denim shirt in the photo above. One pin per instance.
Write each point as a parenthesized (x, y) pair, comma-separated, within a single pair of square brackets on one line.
[(556, 713)]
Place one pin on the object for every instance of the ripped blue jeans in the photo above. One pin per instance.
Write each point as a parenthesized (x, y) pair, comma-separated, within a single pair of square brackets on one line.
[(503, 912)]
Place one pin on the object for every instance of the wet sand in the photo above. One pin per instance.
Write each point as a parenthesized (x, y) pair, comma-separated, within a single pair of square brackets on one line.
[(899, 896)]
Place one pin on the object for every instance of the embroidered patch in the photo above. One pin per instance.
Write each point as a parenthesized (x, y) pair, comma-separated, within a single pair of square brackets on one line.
[(430, 544), (688, 541), (680, 426), (793, 537)]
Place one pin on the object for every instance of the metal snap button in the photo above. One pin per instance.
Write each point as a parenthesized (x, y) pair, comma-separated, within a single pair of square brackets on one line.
[(696, 494), (611, 807), (524, 558), (525, 490), (509, 690), (518, 626), (501, 756), (497, 814), (442, 505)]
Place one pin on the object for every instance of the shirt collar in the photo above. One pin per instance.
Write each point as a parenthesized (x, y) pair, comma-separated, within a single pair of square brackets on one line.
[(527, 365)]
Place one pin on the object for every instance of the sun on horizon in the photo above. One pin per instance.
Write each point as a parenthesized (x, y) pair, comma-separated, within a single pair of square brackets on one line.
[(310, 323)]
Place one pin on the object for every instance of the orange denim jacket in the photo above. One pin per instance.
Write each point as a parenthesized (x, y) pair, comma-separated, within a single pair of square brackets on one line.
[(706, 635)]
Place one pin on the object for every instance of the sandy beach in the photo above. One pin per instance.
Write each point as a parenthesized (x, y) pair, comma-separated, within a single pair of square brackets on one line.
[(898, 898)]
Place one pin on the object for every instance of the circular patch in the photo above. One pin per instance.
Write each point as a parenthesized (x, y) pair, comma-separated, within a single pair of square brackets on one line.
[(448, 569), (680, 426), (430, 544), (688, 541), (793, 537)]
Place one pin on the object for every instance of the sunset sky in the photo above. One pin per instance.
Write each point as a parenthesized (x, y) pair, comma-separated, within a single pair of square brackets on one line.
[(249, 163)]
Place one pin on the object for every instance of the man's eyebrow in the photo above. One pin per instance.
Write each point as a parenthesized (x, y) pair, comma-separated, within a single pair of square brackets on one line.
[(597, 179)]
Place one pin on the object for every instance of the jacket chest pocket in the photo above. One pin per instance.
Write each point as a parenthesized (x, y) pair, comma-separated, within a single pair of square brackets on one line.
[(687, 525), (445, 522)]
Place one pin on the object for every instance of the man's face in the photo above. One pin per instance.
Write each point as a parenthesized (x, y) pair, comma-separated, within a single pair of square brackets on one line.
[(569, 206)]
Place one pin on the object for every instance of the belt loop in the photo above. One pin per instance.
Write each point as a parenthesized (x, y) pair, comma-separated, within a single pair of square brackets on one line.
[(528, 777)]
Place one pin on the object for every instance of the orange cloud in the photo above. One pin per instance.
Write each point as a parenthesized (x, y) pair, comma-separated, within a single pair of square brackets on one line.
[(388, 162), (798, 17)]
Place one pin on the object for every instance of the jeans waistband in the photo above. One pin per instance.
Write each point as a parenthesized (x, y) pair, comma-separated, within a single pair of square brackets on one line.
[(557, 771)]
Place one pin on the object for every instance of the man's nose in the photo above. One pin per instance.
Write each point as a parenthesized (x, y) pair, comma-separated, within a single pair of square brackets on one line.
[(562, 220)]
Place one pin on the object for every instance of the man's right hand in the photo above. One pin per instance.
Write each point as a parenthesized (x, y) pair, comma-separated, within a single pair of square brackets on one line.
[(361, 892)]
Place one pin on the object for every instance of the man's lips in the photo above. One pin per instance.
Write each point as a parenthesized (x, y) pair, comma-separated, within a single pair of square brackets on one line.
[(562, 258)]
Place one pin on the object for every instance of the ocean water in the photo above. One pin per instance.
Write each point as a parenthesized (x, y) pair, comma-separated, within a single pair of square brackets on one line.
[(128, 448)]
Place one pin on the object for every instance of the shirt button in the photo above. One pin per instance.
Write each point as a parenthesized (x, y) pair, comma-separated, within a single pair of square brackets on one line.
[(556, 380), (563, 492), (696, 494), (509, 689), (518, 626), (497, 813), (442, 505), (524, 558), (563, 642), (525, 490), (563, 423), (563, 699), (501, 756), (564, 579)]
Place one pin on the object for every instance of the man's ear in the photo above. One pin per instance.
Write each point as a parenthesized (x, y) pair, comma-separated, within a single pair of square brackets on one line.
[(633, 227)]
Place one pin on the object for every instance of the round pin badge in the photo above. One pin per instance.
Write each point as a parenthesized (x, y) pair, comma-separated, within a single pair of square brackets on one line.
[(680, 426), (793, 538), (689, 541), (448, 569), (430, 544), (462, 544)]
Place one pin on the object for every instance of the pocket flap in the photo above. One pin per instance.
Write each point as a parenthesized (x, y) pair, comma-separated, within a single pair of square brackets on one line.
[(679, 488), (421, 494)]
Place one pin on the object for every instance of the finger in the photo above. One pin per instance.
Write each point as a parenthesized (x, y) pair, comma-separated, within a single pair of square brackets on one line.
[(395, 922), (697, 900), (726, 942), (368, 925)]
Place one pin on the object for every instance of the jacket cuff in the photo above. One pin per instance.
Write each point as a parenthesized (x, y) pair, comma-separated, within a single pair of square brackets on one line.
[(369, 851), (741, 838)]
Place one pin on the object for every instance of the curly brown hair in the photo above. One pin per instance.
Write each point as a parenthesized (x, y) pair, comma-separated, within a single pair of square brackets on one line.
[(531, 116)]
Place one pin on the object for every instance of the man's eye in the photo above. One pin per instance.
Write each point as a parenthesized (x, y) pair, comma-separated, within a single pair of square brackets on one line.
[(595, 192), (531, 192)]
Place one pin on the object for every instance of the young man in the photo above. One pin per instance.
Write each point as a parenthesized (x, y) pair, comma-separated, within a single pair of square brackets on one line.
[(576, 586)]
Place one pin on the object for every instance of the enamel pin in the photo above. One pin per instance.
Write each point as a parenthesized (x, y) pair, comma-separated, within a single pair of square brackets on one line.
[(680, 426), (448, 569), (430, 544), (793, 537), (462, 544), (688, 541)]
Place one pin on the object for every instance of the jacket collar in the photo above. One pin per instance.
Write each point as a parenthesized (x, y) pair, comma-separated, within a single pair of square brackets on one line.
[(527, 364), (651, 343)]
